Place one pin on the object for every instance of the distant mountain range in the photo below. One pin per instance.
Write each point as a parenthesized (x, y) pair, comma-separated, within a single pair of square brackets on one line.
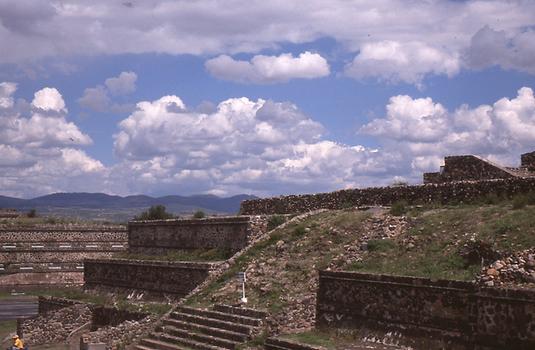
[(104, 206)]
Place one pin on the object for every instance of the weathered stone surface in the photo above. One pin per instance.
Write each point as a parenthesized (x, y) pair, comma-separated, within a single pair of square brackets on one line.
[(55, 326), (458, 311), (163, 277), (468, 167), (451, 192), (161, 236)]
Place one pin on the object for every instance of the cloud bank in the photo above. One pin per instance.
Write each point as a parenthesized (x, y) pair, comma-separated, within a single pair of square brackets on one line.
[(241, 145), (389, 40), (269, 69)]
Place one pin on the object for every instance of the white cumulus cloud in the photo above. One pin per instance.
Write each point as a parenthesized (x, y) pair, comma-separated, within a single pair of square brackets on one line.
[(49, 99), (394, 61), (124, 84), (422, 132), (98, 98), (269, 69), (39, 147)]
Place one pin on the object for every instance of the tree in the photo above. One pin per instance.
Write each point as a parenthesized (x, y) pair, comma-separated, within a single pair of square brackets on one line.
[(199, 214), (156, 212), (32, 213)]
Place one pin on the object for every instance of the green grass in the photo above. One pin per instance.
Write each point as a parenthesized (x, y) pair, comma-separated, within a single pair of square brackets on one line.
[(6, 329), (314, 337), (182, 255), (439, 234)]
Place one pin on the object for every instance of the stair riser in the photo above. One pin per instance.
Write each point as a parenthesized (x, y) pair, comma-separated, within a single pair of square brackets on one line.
[(220, 333), (213, 323), (201, 338), (221, 316), (157, 346), (184, 342)]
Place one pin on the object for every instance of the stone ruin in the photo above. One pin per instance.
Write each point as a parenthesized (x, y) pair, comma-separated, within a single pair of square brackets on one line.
[(470, 167)]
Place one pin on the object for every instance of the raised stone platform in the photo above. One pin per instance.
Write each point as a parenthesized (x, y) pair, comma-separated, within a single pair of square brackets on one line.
[(160, 236), (156, 277), (437, 313)]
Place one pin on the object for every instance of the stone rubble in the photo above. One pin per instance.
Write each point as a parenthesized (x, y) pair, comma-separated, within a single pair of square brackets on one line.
[(123, 334), (55, 326), (516, 269)]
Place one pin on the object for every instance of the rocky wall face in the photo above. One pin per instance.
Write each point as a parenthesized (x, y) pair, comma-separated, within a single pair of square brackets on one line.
[(527, 160), (47, 304), (155, 277), (155, 237), (458, 311), (49, 235), (107, 316), (460, 168), (444, 193), (50, 257)]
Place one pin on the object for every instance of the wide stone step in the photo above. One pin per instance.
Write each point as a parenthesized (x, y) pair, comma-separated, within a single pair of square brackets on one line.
[(158, 344), (242, 311), (216, 332), (211, 322), (221, 316), (199, 337), (186, 342)]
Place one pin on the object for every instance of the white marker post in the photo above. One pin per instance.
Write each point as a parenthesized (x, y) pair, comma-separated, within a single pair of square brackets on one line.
[(242, 279)]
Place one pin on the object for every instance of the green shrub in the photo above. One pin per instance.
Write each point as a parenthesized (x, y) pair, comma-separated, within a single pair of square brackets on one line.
[(275, 221), (32, 213), (398, 208), (299, 231), (156, 212), (520, 201), (199, 214), (380, 245)]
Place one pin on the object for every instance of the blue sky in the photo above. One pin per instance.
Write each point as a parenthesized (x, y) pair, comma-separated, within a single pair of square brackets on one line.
[(180, 97)]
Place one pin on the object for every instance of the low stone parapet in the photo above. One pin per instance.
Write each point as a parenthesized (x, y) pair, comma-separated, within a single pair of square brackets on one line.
[(443, 193)]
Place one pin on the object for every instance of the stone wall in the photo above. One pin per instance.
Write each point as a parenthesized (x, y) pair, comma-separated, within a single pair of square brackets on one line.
[(47, 304), (60, 250), (462, 168), (527, 160), (452, 312), (156, 277), (107, 316), (156, 237), (452, 192)]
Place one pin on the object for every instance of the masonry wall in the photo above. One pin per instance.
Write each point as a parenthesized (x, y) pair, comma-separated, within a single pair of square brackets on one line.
[(155, 237), (47, 304), (158, 277), (457, 313), (37, 256), (107, 316), (462, 168), (453, 192), (527, 160)]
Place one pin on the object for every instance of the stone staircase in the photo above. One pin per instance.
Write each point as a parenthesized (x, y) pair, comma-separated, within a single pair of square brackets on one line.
[(187, 328)]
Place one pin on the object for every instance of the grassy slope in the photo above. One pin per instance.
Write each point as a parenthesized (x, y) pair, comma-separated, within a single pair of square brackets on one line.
[(439, 234), (282, 271)]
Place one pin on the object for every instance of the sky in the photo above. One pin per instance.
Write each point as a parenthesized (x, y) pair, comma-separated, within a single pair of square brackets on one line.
[(257, 97)]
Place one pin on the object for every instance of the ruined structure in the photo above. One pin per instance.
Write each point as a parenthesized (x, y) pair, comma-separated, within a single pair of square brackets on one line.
[(54, 255), (438, 313), (469, 167), (462, 180), (160, 237)]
